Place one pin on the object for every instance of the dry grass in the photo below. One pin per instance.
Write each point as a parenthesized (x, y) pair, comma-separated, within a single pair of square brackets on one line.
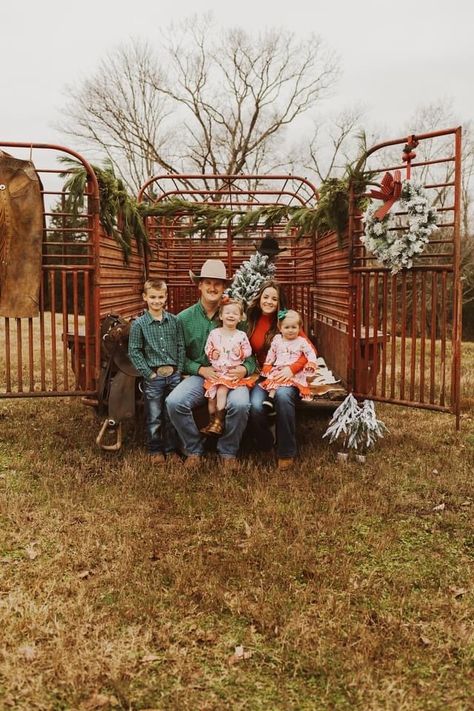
[(127, 588)]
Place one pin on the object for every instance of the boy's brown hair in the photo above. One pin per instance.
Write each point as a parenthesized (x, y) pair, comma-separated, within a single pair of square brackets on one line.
[(157, 284)]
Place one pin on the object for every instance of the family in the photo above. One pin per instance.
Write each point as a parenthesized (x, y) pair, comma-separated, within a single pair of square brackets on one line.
[(250, 369)]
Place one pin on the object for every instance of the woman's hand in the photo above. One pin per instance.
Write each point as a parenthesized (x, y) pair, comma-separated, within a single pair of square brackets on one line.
[(284, 373)]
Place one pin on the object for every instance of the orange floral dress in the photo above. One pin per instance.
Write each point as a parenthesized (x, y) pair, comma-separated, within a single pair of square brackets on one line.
[(225, 352), (282, 353)]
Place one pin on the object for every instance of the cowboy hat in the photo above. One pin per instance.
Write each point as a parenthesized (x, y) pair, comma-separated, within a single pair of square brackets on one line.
[(211, 269), (269, 246)]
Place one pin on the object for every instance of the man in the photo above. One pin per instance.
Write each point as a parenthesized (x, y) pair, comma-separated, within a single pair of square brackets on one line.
[(197, 322)]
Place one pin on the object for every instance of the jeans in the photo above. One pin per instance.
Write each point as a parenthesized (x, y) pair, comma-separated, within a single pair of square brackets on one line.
[(188, 395), (161, 434), (259, 424)]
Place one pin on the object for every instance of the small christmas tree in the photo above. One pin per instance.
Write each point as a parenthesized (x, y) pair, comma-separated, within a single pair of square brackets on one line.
[(250, 276), (370, 429), (341, 426), (357, 428)]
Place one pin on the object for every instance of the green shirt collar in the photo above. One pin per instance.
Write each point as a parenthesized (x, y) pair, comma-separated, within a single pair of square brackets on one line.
[(149, 318), (201, 308)]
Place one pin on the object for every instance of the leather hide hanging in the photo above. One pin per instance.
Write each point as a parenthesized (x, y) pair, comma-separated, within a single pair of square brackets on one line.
[(21, 234)]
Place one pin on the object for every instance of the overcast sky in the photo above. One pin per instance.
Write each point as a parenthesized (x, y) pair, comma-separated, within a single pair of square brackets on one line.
[(395, 56)]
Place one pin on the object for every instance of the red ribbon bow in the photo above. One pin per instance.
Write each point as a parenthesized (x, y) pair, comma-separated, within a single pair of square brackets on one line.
[(390, 191)]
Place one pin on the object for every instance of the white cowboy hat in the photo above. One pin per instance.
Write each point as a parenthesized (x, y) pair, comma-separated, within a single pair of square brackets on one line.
[(211, 269)]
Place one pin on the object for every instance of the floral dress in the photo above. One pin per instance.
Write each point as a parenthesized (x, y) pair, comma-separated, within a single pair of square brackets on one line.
[(282, 353), (225, 352)]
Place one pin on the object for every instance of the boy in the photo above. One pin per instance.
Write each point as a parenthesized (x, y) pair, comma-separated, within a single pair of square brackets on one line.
[(156, 349)]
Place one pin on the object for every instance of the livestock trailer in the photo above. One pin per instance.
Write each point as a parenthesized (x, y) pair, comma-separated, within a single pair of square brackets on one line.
[(393, 336)]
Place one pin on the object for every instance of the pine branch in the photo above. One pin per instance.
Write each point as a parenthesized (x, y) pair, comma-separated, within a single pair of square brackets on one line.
[(119, 214), (123, 218)]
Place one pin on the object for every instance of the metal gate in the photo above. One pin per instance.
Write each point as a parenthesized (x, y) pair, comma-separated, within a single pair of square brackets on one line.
[(405, 329)]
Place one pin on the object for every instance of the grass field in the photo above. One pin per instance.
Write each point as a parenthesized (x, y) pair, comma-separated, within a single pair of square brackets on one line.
[(327, 587)]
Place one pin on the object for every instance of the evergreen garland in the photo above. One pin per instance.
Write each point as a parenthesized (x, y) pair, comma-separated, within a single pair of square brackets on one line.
[(123, 217), (119, 214)]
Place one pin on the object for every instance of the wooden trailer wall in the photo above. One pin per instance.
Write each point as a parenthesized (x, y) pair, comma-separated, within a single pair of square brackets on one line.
[(331, 299)]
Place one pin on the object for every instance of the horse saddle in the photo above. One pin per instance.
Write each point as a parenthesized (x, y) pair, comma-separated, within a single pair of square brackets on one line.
[(115, 331)]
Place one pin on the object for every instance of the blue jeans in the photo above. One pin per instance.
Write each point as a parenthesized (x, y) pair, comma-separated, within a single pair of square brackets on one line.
[(259, 425), (161, 434), (190, 394)]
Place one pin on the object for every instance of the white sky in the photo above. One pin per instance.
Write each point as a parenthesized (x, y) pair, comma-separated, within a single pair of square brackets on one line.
[(395, 55)]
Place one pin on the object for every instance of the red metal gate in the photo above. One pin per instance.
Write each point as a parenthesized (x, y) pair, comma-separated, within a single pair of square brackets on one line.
[(405, 329)]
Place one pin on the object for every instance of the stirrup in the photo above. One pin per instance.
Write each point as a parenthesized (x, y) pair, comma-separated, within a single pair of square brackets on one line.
[(110, 425)]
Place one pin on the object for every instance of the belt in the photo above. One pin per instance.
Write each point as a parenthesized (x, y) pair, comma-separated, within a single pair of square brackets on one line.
[(165, 370)]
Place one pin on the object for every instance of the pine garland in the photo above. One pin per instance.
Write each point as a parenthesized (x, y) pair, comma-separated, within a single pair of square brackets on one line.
[(123, 217), (119, 214)]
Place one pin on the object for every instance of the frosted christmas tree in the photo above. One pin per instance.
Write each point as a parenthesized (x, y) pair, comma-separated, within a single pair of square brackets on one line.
[(252, 273), (250, 276), (355, 428)]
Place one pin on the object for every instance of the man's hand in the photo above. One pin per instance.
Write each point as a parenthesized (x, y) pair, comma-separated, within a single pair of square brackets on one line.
[(237, 372), (284, 373), (206, 371)]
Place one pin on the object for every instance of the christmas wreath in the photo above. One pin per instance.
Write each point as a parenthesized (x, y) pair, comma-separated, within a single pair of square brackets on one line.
[(397, 248)]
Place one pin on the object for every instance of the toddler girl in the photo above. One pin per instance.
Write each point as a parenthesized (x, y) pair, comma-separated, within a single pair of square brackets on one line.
[(285, 349), (226, 347)]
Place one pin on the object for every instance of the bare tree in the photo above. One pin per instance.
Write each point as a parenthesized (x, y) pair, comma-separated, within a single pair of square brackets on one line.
[(429, 118), (211, 101), (119, 114), (335, 142)]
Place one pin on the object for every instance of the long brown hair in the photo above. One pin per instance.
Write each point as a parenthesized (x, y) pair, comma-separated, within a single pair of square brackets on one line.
[(254, 311)]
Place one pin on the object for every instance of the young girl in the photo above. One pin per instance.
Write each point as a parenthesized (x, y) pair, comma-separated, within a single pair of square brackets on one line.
[(285, 349), (226, 347)]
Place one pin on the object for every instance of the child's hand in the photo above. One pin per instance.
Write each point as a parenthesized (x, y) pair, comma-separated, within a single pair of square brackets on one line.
[(310, 371)]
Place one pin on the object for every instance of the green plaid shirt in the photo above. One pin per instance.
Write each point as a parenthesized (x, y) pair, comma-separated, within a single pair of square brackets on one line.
[(152, 343), (196, 327)]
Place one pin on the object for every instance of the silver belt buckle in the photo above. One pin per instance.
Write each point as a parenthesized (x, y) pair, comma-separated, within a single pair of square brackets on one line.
[(165, 370)]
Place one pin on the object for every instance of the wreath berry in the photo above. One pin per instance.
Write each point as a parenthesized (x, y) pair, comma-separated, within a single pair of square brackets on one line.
[(394, 248)]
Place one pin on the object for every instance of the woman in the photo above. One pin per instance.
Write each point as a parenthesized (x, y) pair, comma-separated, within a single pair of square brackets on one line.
[(262, 326)]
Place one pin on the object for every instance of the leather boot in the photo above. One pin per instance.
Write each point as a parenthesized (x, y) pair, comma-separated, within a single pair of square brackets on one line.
[(216, 427)]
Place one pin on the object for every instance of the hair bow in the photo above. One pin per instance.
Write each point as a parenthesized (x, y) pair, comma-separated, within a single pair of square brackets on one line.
[(225, 299), (282, 313)]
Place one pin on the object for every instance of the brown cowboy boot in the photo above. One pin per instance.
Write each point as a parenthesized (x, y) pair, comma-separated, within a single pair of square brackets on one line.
[(216, 427), (205, 429)]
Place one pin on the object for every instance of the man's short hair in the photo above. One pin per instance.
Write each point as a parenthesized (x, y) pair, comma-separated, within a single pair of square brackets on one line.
[(157, 284)]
